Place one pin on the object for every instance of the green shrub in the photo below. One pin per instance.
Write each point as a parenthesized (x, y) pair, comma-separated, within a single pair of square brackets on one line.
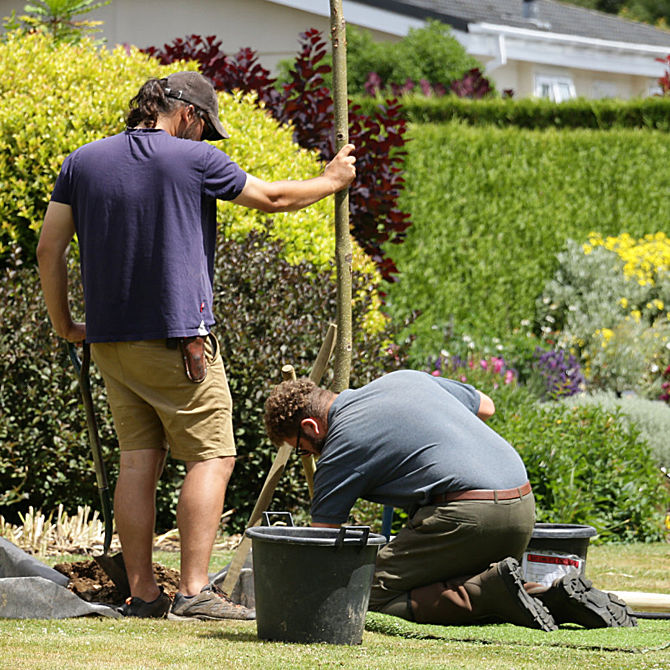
[(587, 465), (534, 113), (492, 207), (651, 418), (269, 312), (55, 97), (431, 53), (52, 99)]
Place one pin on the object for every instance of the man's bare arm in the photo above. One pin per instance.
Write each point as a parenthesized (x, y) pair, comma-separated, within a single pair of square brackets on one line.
[(290, 196), (486, 407), (57, 233)]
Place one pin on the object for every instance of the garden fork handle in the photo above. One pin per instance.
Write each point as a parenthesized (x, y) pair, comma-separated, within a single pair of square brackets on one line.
[(82, 368)]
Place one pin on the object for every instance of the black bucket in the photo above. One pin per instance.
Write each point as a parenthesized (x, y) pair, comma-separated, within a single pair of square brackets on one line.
[(313, 584), (555, 549)]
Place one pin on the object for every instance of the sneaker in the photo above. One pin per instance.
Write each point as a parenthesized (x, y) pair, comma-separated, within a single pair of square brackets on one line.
[(156, 609), (523, 609), (210, 603), (573, 599)]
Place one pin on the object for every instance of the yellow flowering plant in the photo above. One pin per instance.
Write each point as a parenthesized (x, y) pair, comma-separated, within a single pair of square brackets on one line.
[(609, 301)]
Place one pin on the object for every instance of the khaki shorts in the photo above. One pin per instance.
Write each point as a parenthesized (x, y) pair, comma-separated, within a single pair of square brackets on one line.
[(155, 405)]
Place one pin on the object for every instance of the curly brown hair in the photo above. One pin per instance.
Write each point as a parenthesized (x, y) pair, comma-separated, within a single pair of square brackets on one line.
[(150, 102), (289, 403)]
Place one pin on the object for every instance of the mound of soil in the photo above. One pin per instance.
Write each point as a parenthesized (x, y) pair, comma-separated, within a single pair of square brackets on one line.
[(89, 581)]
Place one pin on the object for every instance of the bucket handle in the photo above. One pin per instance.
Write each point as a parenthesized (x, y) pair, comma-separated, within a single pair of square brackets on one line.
[(267, 515), (339, 540)]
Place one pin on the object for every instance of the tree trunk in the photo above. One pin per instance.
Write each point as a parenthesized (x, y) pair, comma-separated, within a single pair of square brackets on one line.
[(343, 249)]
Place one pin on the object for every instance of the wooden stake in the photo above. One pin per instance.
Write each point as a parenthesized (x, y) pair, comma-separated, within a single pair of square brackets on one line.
[(277, 469), (640, 601)]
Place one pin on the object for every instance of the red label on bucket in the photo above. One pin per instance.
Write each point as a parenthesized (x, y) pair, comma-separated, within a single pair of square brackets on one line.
[(554, 560)]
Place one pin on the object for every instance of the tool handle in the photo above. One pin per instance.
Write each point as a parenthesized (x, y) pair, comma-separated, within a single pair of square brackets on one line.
[(82, 367), (106, 506)]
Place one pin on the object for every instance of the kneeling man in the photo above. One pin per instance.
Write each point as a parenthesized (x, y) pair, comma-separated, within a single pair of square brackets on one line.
[(421, 443)]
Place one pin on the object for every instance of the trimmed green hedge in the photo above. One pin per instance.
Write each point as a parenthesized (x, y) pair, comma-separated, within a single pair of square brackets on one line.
[(55, 97), (493, 206), (534, 113)]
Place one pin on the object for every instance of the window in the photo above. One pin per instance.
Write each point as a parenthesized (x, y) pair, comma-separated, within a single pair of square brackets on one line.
[(555, 88)]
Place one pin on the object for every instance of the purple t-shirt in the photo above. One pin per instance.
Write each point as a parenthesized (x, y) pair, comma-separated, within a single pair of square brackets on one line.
[(144, 207)]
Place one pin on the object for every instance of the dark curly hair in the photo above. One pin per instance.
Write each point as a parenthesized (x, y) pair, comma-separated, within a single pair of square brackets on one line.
[(149, 103), (289, 403)]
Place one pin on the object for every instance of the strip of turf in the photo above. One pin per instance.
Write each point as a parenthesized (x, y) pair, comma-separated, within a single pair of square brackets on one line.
[(648, 635)]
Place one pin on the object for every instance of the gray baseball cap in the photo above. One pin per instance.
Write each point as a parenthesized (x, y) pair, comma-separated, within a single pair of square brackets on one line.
[(193, 88)]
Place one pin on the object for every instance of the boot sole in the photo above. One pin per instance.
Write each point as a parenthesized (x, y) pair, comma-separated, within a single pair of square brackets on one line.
[(574, 600), (533, 614)]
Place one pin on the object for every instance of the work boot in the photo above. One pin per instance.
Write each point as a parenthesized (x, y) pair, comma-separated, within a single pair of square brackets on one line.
[(155, 609), (210, 603), (573, 599), (499, 592), (493, 596)]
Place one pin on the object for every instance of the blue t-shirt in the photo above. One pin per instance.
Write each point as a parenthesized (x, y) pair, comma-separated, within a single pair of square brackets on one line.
[(144, 207), (403, 438)]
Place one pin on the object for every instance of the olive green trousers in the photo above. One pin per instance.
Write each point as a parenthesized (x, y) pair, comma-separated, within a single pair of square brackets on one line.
[(441, 542)]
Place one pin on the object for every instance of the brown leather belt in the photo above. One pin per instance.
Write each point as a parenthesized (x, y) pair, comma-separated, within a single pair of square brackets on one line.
[(482, 494)]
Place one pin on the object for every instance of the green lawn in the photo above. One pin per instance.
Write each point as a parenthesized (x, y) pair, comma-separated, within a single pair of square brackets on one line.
[(97, 644)]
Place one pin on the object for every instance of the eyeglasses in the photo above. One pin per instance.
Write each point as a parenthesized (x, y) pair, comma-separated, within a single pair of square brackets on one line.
[(300, 452), (207, 132)]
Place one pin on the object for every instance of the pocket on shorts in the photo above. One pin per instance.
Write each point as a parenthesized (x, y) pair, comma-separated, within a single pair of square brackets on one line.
[(212, 348)]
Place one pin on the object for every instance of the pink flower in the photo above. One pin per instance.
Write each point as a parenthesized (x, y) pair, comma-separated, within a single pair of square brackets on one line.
[(509, 377), (484, 364), (464, 378), (435, 373), (498, 364)]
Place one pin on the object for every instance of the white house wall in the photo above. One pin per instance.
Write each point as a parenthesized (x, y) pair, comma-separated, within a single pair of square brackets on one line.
[(512, 57), (268, 27)]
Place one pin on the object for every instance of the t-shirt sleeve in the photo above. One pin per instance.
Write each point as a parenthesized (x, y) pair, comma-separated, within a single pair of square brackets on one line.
[(223, 179), (464, 393), (336, 489), (62, 191)]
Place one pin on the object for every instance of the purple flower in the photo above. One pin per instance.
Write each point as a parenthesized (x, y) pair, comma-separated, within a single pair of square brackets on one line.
[(561, 372)]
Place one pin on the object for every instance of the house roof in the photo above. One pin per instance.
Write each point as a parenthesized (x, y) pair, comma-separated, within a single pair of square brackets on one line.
[(552, 16)]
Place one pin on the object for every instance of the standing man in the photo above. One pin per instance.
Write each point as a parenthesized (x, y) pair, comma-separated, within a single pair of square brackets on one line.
[(412, 440), (143, 206)]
